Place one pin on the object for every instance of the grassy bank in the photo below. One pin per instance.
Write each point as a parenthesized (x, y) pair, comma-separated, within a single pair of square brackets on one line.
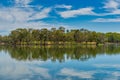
[(52, 43)]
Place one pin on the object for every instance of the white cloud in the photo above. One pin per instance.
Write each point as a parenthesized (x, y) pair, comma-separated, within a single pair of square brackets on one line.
[(12, 18), (107, 20), (63, 6), (23, 3), (24, 14), (112, 6), (20, 14), (74, 13), (17, 17), (42, 14), (5, 15)]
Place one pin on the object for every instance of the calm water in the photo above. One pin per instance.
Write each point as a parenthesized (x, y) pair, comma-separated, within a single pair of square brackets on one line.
[(60, 63)]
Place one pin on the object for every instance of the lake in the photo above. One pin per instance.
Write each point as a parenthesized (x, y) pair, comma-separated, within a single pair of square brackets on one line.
[(60, 63)]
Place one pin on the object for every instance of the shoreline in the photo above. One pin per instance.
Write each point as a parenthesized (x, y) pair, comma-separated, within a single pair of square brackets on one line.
[(62, 44)]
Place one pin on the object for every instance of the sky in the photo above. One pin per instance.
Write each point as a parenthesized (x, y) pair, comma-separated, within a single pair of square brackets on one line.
[(95, 15)]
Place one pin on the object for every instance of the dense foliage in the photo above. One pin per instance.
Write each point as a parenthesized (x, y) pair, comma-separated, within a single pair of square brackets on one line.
[(58, 36)]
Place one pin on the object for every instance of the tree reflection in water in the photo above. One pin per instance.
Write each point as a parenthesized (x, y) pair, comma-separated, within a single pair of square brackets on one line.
[(59, 53)]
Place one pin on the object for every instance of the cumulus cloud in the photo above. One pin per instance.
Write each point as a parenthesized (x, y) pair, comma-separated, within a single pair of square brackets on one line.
[(78, 12), (112, 6)]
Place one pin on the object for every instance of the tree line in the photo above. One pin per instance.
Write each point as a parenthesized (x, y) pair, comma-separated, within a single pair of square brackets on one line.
[(23, 36)]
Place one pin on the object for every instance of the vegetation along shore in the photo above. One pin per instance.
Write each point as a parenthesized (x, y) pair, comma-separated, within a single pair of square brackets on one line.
[(60, 36)]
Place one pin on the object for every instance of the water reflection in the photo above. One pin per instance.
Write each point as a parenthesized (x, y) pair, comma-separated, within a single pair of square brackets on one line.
[(60, 63), (60, 53)]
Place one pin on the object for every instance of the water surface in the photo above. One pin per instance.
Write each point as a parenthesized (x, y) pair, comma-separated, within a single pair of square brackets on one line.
[(60, 63)]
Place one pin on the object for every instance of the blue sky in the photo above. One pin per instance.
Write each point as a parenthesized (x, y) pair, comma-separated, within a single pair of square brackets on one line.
[(97, 15)]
